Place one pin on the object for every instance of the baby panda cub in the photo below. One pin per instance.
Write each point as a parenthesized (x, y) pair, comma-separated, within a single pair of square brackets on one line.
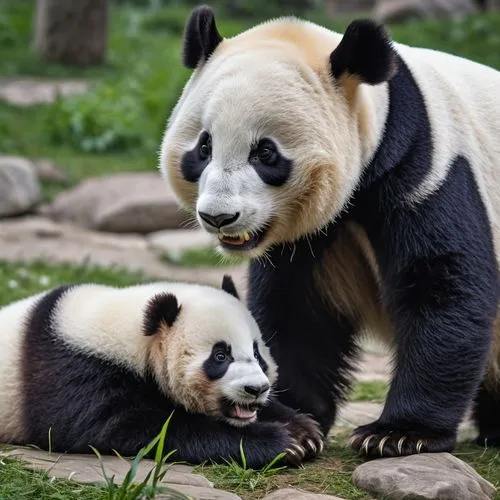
[(104, 366)]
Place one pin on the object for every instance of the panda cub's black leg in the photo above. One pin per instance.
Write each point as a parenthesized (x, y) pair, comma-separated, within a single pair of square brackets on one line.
[(487, 414)]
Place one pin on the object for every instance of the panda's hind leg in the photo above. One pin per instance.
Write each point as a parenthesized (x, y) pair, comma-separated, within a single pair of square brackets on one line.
[(487, 413)]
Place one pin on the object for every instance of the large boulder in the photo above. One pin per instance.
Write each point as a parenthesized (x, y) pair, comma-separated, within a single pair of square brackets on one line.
[(19, 186), (402, 10), (120, 203), (439, 476)]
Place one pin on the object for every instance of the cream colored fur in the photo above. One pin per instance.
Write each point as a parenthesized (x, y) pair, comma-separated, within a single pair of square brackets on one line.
[(273, 80)]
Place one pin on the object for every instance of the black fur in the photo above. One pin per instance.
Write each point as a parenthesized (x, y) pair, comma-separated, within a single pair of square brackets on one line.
[(215, 368), (192, 163), (78, 400), (163, 308), (201, 36), (439, 284), (312, 345), (275, 172), (229, 286), (487, 415), (259, 358), (366, 52)]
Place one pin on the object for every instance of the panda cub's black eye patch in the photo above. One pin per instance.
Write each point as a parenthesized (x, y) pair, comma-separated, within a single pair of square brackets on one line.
[(259, 358), (271, 166), (218, 362), (194, 162)]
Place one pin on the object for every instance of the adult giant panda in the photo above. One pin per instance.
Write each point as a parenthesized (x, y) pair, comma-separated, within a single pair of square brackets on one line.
[(362, 178), (96, 365)]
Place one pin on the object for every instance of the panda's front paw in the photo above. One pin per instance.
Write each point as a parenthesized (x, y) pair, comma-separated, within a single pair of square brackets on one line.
[(307, 435), (378, 440)]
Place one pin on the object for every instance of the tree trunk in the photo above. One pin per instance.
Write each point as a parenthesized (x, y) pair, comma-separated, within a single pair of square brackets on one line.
[(72, 32)]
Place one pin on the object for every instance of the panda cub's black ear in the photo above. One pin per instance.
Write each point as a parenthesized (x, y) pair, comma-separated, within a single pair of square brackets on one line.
[(163, 308), (201, 36), (229, 286), (366, 52)]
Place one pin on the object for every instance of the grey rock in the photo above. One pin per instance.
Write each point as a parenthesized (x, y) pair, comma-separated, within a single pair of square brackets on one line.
[(402, 10), (19, 186), (124, 203), (440, 476), (199, 493), (292, 494), (30, 91)]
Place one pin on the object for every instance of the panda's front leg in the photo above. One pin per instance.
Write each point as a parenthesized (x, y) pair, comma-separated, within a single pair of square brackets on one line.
[(442, 309)]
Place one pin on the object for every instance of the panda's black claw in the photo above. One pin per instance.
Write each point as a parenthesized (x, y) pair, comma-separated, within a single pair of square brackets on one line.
[(307, 432), (378, 440)]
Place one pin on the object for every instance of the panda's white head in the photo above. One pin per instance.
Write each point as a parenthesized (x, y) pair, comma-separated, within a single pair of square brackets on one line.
[(207, 353), (268, 139)]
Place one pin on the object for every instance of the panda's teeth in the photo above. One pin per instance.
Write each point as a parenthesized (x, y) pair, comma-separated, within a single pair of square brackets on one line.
[(246, 236)]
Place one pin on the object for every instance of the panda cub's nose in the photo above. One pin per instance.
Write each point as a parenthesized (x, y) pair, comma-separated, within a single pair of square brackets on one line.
[(219, 220), (256, 390)]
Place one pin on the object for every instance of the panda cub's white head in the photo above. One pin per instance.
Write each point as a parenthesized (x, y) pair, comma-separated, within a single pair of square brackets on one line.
[(207, 353), (267, 141)]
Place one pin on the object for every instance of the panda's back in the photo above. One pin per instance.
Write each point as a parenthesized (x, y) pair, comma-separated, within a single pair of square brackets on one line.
[(463, 105)]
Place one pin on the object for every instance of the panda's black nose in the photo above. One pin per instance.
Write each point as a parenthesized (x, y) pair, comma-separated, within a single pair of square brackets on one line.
[(219, 220), (256, 390)]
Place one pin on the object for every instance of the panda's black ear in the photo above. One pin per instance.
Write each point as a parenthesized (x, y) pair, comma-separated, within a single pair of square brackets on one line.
[(365, 52), (229, 286), (163, 308), (201, 36)]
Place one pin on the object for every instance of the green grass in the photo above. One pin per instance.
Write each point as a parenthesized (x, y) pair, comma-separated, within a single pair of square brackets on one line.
[(369, 391), (19, 280)]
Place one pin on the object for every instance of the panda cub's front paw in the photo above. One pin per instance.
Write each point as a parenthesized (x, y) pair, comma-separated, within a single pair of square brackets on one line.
[(308, 439)]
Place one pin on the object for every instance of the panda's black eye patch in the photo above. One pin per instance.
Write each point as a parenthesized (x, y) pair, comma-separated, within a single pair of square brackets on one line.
[(218, 362), (194, 162), (271, 166), (259, 358)]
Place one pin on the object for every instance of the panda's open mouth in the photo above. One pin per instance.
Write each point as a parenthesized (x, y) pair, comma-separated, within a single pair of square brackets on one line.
[(241, 412), (241, 241)]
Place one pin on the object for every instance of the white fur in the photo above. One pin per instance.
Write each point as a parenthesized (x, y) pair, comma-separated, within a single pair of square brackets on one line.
[(12, 321)]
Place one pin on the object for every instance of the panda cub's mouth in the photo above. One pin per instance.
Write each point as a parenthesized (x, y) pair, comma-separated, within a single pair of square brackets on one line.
[(241, 241), (240, 413)]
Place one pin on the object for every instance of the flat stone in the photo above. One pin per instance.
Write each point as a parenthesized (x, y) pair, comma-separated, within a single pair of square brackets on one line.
[(175, 242), (35, 238), (87, 468), (426, 476), (30, 91), (198, 493), (293, 494), (132, 202), (19, 186)]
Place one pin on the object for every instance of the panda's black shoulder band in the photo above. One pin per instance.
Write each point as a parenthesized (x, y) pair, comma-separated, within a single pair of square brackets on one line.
[(201, 36), (163, 308), (365, 51)]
